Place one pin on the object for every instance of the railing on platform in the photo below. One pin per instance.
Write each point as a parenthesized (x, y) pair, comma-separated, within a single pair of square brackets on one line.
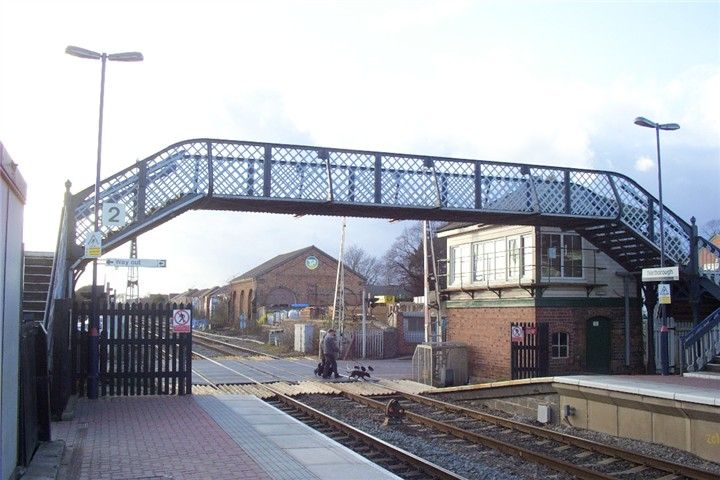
[(34, 414), (702, 343)]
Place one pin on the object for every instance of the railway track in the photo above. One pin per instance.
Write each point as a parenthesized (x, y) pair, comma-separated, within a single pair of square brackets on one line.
[(224, 347), (568, 455), (392, 458), (576, 456)]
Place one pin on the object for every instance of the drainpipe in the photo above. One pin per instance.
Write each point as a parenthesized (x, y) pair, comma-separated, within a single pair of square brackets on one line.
[(626, 292)]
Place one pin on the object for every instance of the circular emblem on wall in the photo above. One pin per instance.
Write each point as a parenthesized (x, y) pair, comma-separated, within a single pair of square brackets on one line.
[(312, 262)]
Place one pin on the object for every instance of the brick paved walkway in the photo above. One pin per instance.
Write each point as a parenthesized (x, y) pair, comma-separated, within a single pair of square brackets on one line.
[(150, 437)]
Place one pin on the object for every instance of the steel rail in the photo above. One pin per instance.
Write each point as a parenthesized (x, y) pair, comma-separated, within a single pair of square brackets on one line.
[(237, 347), (245, 349), (212, 335), (642, 459), (514, 450), (222, 348), (374, 442)]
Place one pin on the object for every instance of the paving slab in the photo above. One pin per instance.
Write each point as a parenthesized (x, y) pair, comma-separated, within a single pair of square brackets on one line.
[(287, 448), (150, 437)]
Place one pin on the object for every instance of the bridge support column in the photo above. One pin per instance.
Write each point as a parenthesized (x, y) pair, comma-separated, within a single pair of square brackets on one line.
[(650, 299)]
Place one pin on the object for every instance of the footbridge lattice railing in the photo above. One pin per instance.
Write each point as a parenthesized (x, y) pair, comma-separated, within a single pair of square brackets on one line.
[(278, 178)]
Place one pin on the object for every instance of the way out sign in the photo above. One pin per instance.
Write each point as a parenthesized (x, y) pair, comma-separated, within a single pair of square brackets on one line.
[(180, 321)]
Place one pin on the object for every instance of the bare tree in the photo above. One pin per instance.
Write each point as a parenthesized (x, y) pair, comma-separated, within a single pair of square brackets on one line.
[(711, 228), (404, 259), (363, 263)]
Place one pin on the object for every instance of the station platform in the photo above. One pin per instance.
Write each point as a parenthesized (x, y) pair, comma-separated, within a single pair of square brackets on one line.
[(701, 390), (199, 436), (681, 412)]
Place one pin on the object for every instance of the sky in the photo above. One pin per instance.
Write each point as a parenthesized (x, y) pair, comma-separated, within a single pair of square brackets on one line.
[(551, 83)]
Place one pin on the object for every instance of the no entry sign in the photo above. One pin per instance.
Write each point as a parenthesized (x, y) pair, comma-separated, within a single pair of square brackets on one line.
[(516, 333), (181, 321)]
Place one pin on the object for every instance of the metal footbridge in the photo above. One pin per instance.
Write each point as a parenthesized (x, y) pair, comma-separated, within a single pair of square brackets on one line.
[(609, 209)]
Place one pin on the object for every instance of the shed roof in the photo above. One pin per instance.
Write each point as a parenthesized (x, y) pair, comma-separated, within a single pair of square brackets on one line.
[(283, 258)]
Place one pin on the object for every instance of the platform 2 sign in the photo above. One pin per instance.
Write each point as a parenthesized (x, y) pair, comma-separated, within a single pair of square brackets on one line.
[(181, 321)]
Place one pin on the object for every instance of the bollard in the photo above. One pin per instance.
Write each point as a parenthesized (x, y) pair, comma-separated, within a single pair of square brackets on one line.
[(664, 357)]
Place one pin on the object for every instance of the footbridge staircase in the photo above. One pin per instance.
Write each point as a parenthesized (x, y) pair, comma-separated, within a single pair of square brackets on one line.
[(612, 211)]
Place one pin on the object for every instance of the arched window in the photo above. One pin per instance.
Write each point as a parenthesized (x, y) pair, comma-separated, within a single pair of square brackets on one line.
[(241, 305)]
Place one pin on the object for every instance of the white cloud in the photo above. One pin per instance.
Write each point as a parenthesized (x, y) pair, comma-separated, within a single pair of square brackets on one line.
[(440, 78), (644, 164)]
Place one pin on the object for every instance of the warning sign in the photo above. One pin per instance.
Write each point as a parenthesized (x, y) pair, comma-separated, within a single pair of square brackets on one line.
[(516, 333), (664, 293), (93, 245), (181, 321)]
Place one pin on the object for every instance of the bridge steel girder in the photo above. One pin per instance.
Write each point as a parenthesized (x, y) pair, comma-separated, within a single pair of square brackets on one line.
[(280, 178)]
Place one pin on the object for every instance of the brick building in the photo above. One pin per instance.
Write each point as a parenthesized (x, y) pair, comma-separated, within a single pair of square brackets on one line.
[(306, 276), (499, 275)]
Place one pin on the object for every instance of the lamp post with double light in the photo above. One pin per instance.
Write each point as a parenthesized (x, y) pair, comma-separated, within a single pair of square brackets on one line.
[(644, 122), (94, 324)]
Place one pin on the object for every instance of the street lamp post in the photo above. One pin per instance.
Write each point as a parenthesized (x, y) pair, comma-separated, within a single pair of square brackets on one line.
[(92, 382), (644, 122)]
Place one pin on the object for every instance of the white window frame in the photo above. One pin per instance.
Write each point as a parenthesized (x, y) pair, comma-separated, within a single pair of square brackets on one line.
[(514, 257), (457, 275), (528, 256), (452, 254), (561, 253)]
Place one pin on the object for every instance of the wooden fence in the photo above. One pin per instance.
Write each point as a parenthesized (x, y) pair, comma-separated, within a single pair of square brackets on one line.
[(529, 350), (139, 354)]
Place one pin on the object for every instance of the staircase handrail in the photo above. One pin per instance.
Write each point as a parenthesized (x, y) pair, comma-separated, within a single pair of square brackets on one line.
[(58, 277), (701, 329), (702, 343), (712, 250)]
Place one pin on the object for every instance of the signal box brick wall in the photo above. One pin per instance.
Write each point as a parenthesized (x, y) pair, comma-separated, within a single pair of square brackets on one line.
[(487, 333)]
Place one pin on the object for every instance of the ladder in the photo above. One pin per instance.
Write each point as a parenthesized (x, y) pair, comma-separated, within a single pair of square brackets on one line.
[(132, 290), (338, 318), (431, 276)]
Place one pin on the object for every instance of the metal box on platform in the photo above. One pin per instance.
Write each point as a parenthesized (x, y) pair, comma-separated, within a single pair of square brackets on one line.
[(304, 333), (442, 364)]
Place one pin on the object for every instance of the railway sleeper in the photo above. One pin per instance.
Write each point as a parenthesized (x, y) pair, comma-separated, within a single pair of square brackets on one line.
[(632, 471)]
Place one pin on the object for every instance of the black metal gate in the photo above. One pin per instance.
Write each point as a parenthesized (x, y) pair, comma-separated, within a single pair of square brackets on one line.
[(139, 352), (528, 350)]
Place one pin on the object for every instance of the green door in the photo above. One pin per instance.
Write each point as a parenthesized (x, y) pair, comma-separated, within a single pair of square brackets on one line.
[(597, 346)]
